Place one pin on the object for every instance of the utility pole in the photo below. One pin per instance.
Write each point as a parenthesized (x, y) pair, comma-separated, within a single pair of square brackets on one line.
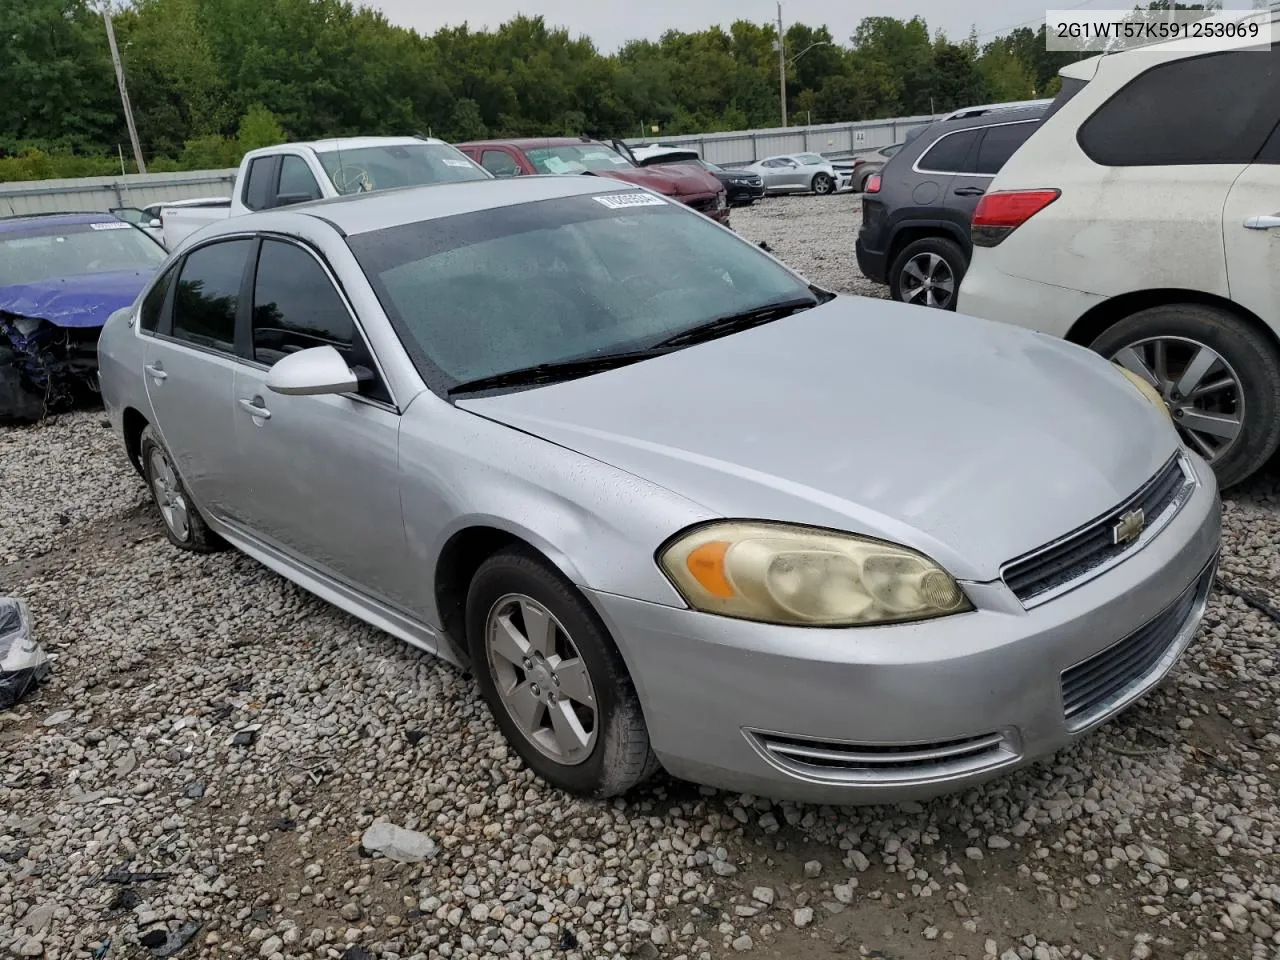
[(782, 68), (124, 93)]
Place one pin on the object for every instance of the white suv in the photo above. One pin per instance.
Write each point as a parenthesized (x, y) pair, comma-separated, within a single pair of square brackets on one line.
[(1143, 220)]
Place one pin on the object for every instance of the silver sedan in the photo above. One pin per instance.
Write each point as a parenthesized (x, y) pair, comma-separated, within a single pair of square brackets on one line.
[(673, 505), (799, 173)]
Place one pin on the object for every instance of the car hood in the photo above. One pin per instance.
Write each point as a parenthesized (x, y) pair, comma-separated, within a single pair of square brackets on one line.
[(81, 300), (972, 441), (675, 179)]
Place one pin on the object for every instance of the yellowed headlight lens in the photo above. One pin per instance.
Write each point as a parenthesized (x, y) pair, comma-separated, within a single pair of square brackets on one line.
[(778, 573), (1146, 389)]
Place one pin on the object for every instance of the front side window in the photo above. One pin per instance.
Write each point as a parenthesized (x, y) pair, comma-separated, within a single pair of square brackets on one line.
[(950, 154), (574, 158), (67, 250), (481, 294), (364, 169), (1215, 108), (500, 163), (1000, 143), (204, 306)]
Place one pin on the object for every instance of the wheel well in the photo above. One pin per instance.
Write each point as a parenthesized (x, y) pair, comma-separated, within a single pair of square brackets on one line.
[(909, 235), (455, 567), (134, 424), (1098, 319)]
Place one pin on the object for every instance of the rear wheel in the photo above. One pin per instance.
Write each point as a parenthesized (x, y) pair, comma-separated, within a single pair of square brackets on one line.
[(928, 273), (823, 184), (183, 524), (1219, 377), (554, 681), (18, 405)]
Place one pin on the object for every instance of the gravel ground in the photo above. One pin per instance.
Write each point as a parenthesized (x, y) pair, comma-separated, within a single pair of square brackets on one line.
[(213, 742)]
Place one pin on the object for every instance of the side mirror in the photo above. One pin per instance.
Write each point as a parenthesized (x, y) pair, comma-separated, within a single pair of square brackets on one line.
[(155, 222), (315, 371)]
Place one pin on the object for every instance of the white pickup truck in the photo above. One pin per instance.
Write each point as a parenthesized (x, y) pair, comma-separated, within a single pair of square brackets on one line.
[(297, 172)]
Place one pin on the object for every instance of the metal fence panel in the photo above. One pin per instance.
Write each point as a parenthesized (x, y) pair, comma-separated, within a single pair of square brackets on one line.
[(99, 194)]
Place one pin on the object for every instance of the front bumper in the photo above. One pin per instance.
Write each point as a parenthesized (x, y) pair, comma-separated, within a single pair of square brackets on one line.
[(885, 714)]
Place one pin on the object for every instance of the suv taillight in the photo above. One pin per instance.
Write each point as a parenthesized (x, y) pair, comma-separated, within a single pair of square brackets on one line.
[(1000, 213), (873, 184)]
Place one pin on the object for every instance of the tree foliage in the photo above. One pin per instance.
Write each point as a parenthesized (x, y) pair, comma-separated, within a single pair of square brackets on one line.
[(209, 79)]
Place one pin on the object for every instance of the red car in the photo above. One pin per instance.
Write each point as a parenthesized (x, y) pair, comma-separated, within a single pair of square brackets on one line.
[(690, 184)]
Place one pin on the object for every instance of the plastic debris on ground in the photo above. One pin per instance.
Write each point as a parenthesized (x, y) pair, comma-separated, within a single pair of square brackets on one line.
[(23, 662)]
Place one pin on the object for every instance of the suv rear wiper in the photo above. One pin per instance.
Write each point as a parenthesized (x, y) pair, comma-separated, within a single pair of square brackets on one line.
[(735, 322), (557, 371)]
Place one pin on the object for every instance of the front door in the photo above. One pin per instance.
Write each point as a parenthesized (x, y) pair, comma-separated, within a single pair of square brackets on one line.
[(189, 366), (319, 474)]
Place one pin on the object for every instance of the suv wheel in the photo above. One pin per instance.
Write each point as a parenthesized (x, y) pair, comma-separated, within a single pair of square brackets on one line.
[(823, 184), (553, 679), (928, 273), (1219, 377)]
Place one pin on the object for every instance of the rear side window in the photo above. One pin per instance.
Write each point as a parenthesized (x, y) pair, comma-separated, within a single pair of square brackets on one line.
[(950, 154), (204, 307), (1217, 108), (257, 188), (1000, 143), (153, 302)]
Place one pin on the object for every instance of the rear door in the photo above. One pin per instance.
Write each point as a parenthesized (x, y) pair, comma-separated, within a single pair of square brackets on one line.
[(189, 369), (996, 144), (1251, 229), (949, 158)]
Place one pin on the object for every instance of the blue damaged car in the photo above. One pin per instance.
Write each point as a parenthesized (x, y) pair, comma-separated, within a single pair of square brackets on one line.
[(61, 276)]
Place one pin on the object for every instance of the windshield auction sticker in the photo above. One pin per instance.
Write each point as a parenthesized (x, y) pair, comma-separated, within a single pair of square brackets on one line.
[(620, 201), (1110, 31)]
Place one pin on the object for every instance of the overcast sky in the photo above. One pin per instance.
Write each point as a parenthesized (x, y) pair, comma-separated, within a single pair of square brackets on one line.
[(610, 23)]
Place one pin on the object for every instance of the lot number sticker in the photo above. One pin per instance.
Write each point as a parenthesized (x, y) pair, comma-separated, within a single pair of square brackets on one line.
[(118, 225), (621, 201)]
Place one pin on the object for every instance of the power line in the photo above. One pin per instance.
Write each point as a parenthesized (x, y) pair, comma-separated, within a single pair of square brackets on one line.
[(1027, 23)]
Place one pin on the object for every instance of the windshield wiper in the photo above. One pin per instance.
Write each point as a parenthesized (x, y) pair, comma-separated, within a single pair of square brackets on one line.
[(735, 322), (557, 371)]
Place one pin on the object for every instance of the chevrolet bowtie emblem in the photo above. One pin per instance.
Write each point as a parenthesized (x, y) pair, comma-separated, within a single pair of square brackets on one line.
[(1129, 527)]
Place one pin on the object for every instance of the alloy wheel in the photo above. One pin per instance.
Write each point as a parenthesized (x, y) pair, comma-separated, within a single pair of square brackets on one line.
[(823, 184), (928, 280), (1203, 391), (169, 496), (541, 679)]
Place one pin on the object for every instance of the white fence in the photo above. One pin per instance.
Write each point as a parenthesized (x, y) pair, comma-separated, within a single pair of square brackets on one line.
[(98, 194), (741, 147), (733, 149)]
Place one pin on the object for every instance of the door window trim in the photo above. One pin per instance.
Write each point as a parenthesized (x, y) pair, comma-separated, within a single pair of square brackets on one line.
[(244, 351), (982, 132)]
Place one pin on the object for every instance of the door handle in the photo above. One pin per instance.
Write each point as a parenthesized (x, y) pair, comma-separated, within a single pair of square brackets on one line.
[(969, 191), (1263, 223), (157, 371), (255, 407)]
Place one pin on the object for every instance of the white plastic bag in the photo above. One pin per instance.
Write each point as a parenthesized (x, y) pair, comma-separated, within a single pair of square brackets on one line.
[(23, 662)]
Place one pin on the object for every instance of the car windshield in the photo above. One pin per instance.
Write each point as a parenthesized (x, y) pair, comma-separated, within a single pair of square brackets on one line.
[(572, 158), (45, 252), (365, 169), (711, 166), (481, 294), (810, 159)]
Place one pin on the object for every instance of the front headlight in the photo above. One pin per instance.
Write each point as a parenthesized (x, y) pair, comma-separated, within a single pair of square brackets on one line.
[(777, 573), (1147, 390)]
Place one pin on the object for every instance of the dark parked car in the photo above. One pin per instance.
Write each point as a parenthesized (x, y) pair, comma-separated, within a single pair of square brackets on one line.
[(916, 212), (691, 185), (61, 276)]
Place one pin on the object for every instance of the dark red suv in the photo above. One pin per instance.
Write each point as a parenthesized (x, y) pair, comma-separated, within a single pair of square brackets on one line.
[(690, 184)]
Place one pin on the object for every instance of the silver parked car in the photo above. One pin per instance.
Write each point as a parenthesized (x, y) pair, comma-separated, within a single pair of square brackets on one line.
[(799, 173), (673, 504)]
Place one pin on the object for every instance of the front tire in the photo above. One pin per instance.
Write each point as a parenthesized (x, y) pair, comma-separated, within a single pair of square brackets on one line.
[(928, 273), (1219, 376), (182, 522), (553, 679), (18, 405), (823, 184)]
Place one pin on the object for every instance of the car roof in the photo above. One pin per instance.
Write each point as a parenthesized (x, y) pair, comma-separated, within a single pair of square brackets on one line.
[(533, 142), (366, 212), (33, 220), (1013, 115), (348, 143)]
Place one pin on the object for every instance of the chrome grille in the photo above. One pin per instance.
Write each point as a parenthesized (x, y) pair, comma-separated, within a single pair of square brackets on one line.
[(1098, 686), (841, 762), (1048, 571)]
